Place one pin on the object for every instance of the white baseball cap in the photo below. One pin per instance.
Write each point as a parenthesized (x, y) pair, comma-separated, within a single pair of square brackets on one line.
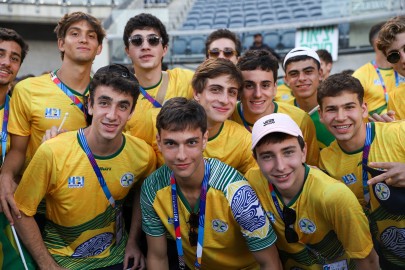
[(301, 51), (275, 122)]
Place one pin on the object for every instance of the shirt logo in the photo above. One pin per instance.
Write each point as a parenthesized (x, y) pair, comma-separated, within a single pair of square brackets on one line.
[(307, 226), (219, 226), (377, 82), (382, 191), (52, 113), (268, 122), (349, 179), (127, 179), (76, 182)]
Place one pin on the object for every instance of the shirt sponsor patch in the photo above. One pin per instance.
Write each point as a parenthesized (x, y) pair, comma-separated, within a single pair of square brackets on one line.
[(340, 265), (127, 179), (76, 182), (349, 179), (219, 226), (307, 226), (382, 191), (52, 113)]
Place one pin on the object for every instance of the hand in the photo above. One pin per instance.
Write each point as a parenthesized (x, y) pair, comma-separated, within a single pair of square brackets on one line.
[(394, 176), (51, 133), (132, 251), (7, 205), (386, 117)]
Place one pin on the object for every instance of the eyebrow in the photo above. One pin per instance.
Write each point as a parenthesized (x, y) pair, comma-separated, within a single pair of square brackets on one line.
[(79, 29), (304, 69), (346, 104)]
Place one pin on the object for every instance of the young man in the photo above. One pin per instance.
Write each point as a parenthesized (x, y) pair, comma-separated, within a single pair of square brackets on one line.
[(357, 145), (303, 74), (377, 77), (258, 44), (259, 71), (84, 176), (318, 221), (391, 41), (326, 62), (223, 43), (42, 102), (146, 43), (213, 214)]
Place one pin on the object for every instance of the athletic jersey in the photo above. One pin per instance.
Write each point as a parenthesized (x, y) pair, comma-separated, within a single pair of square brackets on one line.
[(80, 227), (284, 93), (8, 137), (234, 219), (388, 145), (37, 105), (323, 136), (179, 85), (331, 226), (396, 101), (373, 87), (300, 117)]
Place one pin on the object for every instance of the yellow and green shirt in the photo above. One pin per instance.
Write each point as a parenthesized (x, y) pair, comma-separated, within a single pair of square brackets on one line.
[(396, 101)]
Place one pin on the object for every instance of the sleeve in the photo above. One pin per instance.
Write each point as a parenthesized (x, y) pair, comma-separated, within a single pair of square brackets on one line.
[(38, 180), (144, 129), (20, 110), (361, 74), (151, 223), (249, 214), (247, 159), (395, 103), (308, 130), (345, 213)]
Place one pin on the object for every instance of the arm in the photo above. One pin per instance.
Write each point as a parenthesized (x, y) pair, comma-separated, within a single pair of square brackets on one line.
[(12, 166), (29, 233), (268, 258), (157, 252), (368, 263), (394, 176), (132, 250)]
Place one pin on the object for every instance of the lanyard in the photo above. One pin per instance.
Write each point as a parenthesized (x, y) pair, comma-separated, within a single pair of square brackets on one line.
[(4, 132), (96, 169), (245, 123), (201, 218), (366, 151), (154, 102), (396, 79), (381, 80), (69, 93)]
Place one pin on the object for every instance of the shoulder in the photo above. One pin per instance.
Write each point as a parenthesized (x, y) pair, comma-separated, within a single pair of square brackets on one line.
[(32, 84), (235, 129), (157, 180), (222, 175), (364, 69), (330, 151), (324, 187), (297, 114), (180, 73)]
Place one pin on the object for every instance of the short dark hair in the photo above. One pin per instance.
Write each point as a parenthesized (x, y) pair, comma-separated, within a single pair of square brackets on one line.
[(119, 78), (68, 19), (213, 68), (389, 31), (325, 56), (223, 33), (145, 21), (301, 58), (7, 34), (336, 84), (254, 59), (277, 137), (373, 34), (179, 113)]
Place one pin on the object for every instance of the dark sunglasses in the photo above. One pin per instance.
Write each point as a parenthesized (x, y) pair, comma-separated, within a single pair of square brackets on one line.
[(289, 217), (394, 56), (228, 52), (193, 222), (137, 40)]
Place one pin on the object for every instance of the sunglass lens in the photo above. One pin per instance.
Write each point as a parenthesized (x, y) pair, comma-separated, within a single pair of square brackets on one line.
[(214, 53), (193, 220), (228, 53), (393, 57), (290, 235), (137, 40), (153, 40), (192, 238)]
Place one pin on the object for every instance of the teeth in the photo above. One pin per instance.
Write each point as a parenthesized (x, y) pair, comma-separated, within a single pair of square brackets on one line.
[(342, 127), (257, 102)]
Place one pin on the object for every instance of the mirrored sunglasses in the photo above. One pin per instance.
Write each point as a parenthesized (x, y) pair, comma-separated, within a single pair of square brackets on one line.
[(137, 40), (227, 52), (289, 217), (193, 222)]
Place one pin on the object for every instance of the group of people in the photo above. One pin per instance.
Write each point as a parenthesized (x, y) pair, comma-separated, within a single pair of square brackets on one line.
[(221, 168)]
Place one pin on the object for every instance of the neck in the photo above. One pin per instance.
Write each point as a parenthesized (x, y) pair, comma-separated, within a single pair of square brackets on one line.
[(356, 142), (148, 78), (307, 104), (381, 61), (252, 118), (289, 194), (191, 185), (213, 129), (100, 146), (3, 93), (77, 77)]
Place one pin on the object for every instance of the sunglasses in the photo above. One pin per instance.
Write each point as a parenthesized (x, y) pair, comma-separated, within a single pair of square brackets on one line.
[(289, 217), (193, 221), (137, 40), (394, 57), (228, 52)]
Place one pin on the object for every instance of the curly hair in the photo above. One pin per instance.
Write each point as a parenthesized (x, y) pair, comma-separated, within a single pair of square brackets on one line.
[(389, 31)]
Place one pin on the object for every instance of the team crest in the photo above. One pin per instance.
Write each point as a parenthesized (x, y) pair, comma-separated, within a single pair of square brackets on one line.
[(52, 113), (76, 182), (219, 226), (127, 179), (349, 179), (307, 226), (382, 191), (170, 220)]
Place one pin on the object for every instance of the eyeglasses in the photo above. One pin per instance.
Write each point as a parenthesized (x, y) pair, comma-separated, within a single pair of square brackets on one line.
[(289, 217), (394, 56), (193, 221), (137, 40), (228, 52)]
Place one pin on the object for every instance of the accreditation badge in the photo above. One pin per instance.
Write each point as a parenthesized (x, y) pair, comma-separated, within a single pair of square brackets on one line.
[(119, 228), (340, 265)]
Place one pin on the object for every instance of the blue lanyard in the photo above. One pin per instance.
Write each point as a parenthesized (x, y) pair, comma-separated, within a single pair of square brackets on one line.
[(396, 79), (245, 123), (177, 228), (96, 169), (366, 151), (4, 132), (381, 80), (154, 102)]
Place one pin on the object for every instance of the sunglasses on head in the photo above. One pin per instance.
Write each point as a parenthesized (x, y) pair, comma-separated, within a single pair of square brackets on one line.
[(137, 40), (193, 221), (228, 52), (289, 217), (394, 56)]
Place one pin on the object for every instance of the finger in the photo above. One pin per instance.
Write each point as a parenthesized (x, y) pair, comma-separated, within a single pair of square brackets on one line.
[(142, 264), (378, 179), (387, 118), (14, 207), (381, 165), (136, 262), (6, 211), (126, 262)]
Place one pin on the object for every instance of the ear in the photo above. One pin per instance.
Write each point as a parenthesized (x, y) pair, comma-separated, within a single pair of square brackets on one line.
[(205, 139), (304, 154), (89, 105), (61, 43), (127, 52), (197, 96), (158, 140), (320, 114), (165, 49), (99, 49), (365, 110), (320, 71)]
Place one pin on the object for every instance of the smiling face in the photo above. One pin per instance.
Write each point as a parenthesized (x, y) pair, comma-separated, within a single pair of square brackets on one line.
[(398, 46), (222, 44), (10, 62), (146, 56)]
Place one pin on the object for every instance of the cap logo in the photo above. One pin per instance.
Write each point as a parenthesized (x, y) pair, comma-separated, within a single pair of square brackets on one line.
[(268, 122)]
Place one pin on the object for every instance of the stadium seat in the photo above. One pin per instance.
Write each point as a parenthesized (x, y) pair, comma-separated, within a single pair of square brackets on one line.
[(272, 39), (197, 45), (179, 45), (288, 39)]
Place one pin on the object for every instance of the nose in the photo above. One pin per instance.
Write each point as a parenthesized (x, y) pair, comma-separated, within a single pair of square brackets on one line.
[(341, 115), (181, 154), (5, 61), (112, 113), (83, 38), (257, 92), (280, 164), (224, 98), (302, 76)]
